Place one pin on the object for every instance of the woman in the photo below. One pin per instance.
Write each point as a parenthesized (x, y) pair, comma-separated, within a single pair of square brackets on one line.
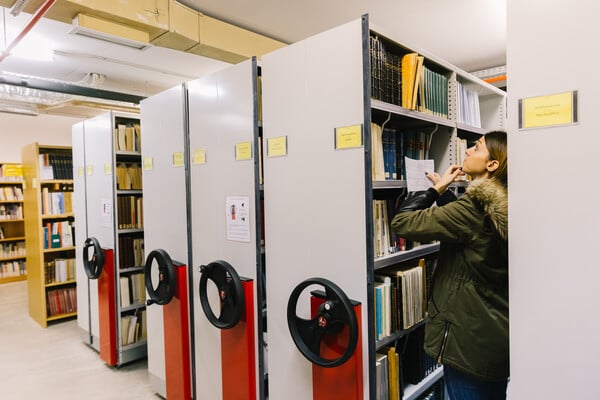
[(467, 325)]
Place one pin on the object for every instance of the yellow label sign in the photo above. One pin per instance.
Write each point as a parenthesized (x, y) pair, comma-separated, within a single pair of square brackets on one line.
[(148, 163), (556, 109), (277, 147), (178, 159), (107, 169), (243, 151), (90, 169), (348, 137), (199, 156), (80, 171)]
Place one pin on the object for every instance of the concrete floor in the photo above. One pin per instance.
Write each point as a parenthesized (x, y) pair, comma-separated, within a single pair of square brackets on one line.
[(54, 363)]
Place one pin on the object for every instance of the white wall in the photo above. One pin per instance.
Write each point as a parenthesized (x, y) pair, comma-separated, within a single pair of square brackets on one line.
[(553, 213), (17, 131)]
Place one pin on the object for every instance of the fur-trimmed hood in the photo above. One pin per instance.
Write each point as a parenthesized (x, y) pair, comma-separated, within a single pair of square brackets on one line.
[(493, 196)]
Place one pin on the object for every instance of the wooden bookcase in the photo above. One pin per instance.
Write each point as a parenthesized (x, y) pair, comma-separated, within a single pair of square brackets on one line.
[(113, 200), (320, 218), (49, 221), (12, 224)]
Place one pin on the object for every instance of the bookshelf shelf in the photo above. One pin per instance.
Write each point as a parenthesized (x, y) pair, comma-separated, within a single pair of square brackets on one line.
[(49, 217), (417, 252), (412, 392), (397, 335), (12, 230)]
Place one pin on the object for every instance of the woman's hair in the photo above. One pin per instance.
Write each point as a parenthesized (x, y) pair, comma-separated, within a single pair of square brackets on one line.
[(495, 142)]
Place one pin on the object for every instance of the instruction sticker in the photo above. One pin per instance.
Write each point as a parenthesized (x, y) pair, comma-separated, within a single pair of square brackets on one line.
[(277, 146), (199, 156), (237, 213), (243, 151), (148, 163), (178, 159)]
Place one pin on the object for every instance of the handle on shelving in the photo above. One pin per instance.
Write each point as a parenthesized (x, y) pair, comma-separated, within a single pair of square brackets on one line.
[(332, 316), (231, 294), (93, 266), (165, 290)]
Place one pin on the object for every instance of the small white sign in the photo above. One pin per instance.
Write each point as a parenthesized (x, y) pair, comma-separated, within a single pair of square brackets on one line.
[(237, 214), (106, 212)]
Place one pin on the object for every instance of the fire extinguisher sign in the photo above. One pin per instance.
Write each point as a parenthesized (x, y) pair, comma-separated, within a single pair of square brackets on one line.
[(237, 212)]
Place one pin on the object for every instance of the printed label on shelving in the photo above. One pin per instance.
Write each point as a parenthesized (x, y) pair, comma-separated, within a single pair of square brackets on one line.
[(107, 169), (80, 171), (546, 111), (348, 137), (243, 151), (199, 156), (178, 159), (277, 146), (148, 163), (237, 212), (90, 169)]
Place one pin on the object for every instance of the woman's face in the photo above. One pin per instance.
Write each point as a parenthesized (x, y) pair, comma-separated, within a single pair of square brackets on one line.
[(476, 162)]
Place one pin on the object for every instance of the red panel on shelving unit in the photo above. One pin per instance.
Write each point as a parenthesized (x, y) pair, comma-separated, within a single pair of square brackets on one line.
[(344, 382), (238, 353), (107, 310), (177, 340)]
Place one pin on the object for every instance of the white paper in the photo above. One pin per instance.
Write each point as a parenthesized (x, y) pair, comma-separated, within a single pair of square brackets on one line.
[(106, 212), (237, 212), (415, 174)]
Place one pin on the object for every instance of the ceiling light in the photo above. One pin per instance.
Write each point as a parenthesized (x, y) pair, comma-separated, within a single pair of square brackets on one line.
[(18, 7), (85, 25), (18, 108)]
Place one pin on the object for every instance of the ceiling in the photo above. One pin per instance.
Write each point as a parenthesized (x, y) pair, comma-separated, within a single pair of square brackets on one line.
[(468, 33)]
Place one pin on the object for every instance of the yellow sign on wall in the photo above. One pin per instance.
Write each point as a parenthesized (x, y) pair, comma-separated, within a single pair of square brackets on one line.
[(178, 159), (199, 156), (277, 146), (243, 151), (546, 111)]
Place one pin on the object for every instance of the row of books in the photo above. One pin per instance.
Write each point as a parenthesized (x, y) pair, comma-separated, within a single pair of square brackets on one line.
[(130, 212), (385, 73), (59, 234), (129, 176), (11, 173), (128, 137), (12, 268), (11, 193), (10, 250), (61, 301), (385, 240), (131, 252), (400, 298), (59, 270), (133, 289), (56, 202), (406, 363), (391, 147), (58, 165), (468, 111), (11, 211), (133, 327)]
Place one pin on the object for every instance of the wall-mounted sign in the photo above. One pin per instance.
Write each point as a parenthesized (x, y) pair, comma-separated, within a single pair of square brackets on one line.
[(178, 159), (546, 111), (199, 156), (148, 163), (348, 137)]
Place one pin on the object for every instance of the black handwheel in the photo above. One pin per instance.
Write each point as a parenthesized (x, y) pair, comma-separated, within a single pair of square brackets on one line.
[(165, 290), (332, 316), (231, 293), (93, 266)]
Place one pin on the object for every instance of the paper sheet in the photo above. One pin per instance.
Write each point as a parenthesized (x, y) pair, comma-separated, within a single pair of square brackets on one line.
[(415, 174)]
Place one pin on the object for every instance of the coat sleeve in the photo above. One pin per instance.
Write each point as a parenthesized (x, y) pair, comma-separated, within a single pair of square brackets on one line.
[(451, 223)]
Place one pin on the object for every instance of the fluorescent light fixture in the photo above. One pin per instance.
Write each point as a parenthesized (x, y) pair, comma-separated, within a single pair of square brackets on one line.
[(18, 7), (101, 29), (18, 108)]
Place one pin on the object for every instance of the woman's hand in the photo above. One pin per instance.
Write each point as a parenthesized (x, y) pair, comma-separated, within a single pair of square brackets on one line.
[(441, 183)]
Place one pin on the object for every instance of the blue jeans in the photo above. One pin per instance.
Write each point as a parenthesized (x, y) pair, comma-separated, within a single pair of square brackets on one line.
[(461, 386)]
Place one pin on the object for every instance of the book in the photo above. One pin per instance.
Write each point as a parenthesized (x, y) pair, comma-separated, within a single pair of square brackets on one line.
[(409, 66), (125, 293)]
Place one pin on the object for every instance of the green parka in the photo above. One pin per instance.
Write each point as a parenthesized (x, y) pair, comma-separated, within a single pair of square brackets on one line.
[(467, 324)]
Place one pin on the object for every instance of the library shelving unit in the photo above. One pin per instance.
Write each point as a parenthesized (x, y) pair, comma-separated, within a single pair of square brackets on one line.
[(12, 224), (321, 215), (226, 228), (49, 228), (113, 201)]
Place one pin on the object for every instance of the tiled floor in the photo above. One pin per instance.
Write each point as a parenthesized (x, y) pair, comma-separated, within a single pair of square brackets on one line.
[(54, 363)]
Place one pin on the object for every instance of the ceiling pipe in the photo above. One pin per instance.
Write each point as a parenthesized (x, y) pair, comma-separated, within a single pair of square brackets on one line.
[(34, 19)]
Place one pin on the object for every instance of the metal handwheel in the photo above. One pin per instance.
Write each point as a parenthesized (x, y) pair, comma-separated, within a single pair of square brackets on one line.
[(332, 316), (231, 294), (93, 266), (165, 290)]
